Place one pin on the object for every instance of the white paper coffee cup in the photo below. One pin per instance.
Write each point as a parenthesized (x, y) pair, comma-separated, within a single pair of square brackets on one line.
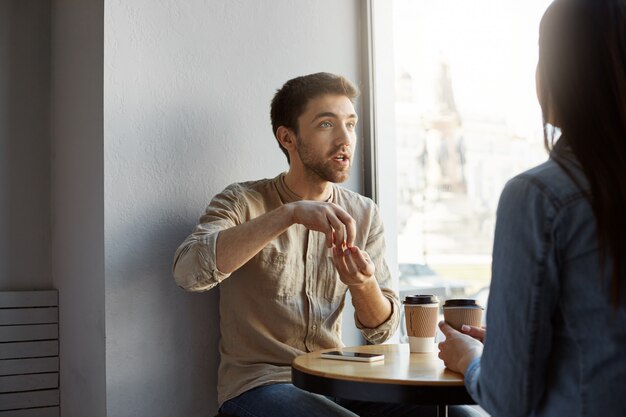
[(421, 316)]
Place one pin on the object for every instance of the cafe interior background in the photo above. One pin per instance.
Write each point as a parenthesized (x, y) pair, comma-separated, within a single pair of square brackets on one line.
[(119, 120)]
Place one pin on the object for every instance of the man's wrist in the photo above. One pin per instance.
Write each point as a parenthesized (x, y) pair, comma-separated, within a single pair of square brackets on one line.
[(285, 212), (364, 286)]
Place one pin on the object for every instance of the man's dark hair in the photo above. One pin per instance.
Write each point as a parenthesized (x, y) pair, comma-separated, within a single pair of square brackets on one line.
[(290, 101)]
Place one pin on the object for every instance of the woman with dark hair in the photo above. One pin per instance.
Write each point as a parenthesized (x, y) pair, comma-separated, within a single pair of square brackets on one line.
[(556, 344)]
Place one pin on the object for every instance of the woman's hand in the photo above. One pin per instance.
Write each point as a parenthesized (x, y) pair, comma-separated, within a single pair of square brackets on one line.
[(477, 333), (459, 349)]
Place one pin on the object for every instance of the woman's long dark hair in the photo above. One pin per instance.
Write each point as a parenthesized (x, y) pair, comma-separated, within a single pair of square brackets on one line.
[(581, 77)]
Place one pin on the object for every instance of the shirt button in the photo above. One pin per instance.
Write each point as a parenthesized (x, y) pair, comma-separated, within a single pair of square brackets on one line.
[(309, 256), (314, 327)]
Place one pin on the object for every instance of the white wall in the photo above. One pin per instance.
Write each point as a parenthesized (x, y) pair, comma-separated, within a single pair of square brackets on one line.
[(187, 88), (24, 145), (78, 203)]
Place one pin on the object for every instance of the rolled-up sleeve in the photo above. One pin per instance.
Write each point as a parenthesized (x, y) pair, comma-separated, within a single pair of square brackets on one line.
[(195, 264), (386, 329), (195, 267)]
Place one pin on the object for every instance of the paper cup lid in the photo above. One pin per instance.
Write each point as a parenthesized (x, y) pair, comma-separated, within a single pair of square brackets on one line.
[(461, 302), (421, 299)]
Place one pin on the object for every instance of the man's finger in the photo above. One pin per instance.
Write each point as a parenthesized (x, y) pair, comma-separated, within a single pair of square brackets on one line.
[(339, 260), (350, 261), (349, 223), (337, 225), (330, 238), (362, 261)]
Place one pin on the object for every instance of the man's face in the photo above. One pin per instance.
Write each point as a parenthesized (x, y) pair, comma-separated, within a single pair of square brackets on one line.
[(326, 138)]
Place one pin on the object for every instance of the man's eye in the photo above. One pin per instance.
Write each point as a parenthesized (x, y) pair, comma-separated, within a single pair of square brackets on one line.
[(326, 124), (351, 125)]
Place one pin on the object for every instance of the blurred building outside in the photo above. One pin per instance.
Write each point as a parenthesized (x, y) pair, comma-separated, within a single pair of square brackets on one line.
[(461, 134)]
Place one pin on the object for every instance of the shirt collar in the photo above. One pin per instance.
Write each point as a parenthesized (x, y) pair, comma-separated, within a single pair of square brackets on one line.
[(288, 196)]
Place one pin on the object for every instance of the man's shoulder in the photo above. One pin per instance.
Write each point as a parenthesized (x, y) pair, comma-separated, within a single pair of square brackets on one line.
[(255, 186), (246, 192), (349, 198), (353, 195)]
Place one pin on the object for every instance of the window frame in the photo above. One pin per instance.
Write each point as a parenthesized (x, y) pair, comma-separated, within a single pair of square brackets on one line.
[(378, 116)]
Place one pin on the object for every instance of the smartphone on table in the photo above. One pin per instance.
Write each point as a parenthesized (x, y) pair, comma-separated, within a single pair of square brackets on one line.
[(352, 356)]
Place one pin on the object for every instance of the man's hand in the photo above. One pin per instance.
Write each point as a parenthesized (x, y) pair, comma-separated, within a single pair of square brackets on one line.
[(458, 350), (328, 218), (354, 265), (356, 270)]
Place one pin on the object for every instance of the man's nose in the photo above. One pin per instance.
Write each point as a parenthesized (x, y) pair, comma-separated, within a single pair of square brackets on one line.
[(344, 136)]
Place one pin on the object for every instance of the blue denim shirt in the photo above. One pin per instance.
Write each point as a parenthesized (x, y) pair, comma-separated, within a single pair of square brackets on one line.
[(555, 346)]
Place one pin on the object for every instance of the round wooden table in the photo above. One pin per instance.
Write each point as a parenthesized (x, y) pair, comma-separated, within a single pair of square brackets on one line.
[(402, 377)]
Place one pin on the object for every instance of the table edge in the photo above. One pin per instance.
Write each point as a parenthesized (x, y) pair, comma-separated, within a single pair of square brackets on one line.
[(381, 392)]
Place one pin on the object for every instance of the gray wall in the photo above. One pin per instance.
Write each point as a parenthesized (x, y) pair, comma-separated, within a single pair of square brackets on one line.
[(187, 87), (24, 145), (78, 203)]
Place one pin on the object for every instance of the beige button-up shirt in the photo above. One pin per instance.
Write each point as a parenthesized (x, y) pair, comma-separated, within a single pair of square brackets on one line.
[(288, 299)]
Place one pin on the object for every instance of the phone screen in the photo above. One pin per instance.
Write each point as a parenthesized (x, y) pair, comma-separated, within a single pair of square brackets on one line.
[(352, 354)]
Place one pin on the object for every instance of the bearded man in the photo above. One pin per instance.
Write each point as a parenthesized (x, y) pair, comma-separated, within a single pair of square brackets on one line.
[(285, 251)]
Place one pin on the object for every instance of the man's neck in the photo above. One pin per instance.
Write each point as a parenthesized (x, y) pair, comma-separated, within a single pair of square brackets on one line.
[(308, 188)]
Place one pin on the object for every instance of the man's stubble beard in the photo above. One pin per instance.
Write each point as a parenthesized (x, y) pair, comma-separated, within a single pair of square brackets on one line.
[(320, 167)]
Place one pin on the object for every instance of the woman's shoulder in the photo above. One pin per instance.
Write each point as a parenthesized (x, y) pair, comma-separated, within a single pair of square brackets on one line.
[(560, 181)]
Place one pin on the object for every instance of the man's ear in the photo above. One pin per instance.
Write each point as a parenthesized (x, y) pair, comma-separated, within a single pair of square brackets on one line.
[(286, 137)]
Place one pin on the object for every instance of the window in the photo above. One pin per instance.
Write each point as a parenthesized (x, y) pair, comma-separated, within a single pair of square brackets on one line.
[(466, 120)]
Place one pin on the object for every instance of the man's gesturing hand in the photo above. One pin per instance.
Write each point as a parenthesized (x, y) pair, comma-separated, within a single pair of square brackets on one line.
[(354, 265), (327, 218)]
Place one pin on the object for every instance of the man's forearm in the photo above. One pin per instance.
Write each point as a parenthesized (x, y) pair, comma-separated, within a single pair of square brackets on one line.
[(237, 245), (371, 306)]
